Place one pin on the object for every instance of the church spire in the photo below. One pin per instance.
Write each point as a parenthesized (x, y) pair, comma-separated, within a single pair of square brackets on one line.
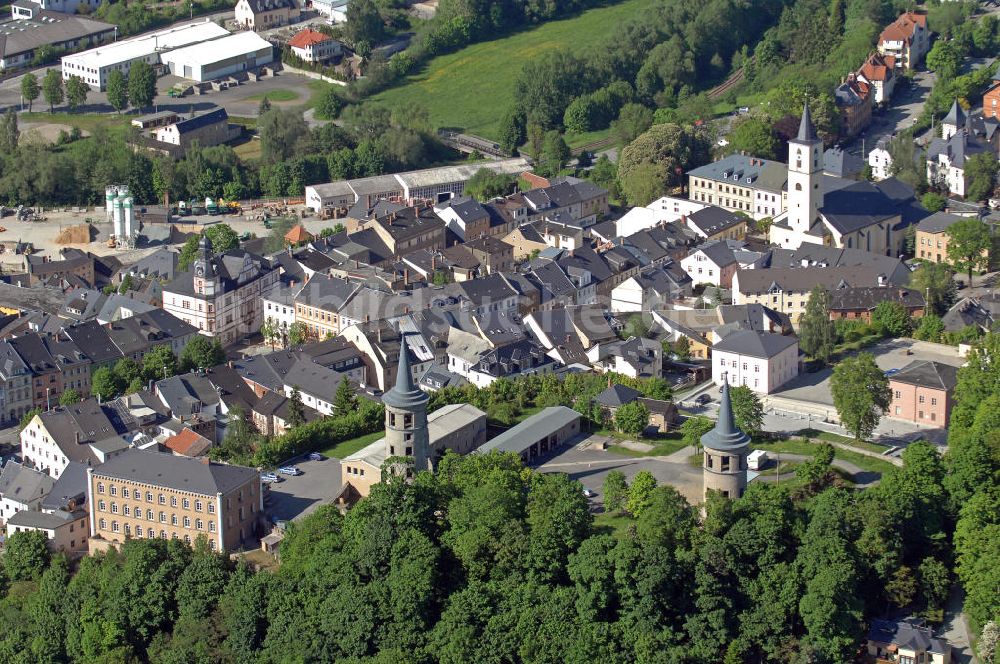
[(404, 394), (807, 131)]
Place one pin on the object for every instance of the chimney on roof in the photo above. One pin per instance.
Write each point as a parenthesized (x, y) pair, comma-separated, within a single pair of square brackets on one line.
[(76, 437), (433, 262), (205, 460)]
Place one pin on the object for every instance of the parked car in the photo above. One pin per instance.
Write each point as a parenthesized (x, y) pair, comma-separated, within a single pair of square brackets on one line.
[(315, 456), (289, 470), (588, 493), (269, 478), (703, 399)]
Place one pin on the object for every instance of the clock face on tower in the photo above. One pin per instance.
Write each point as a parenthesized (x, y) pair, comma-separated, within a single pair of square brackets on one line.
[(199, 271)]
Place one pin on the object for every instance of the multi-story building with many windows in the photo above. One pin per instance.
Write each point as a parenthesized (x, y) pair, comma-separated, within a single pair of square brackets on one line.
[(222, 295), (741, 184), (148, 494)]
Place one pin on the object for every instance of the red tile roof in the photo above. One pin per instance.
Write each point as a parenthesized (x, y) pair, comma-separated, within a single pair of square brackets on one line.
[(188, 443), (308, 37), (878, 67), (298, 234), (902, 28)]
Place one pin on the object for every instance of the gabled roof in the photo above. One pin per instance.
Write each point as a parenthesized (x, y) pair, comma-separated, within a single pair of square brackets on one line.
[(188, 443), (212, 117), (540, 425), (712, 220), (298, 234), (24, 485), (866, 298)]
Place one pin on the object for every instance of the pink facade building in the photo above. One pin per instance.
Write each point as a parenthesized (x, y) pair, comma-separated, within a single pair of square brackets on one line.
[(922, 393)]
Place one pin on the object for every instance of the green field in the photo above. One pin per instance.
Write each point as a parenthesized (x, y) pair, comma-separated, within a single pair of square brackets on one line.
[(473, 87)]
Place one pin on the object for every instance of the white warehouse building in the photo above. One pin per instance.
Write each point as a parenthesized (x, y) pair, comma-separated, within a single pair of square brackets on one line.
[(216, 58), (95, 65)]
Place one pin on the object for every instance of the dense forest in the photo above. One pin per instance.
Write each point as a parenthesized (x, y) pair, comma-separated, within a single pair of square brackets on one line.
[(486, 561)]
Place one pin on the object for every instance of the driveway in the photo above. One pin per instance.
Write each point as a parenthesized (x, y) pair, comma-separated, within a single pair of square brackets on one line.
[(295, 497)]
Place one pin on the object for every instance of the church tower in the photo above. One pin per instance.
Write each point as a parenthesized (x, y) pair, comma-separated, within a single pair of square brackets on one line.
[(205, 278), (406, 432), (954, 122), (805, 165), (724, 467)]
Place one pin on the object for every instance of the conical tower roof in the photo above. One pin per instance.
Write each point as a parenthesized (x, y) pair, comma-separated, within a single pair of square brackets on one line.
[(725, 435), (956, 116), (404, 394), (807, 130)]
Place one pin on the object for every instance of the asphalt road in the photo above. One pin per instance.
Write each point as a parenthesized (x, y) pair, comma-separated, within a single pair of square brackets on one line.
[(904, 108)]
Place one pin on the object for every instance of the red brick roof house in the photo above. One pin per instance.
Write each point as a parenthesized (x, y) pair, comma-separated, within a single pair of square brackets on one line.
[(878, 71), (188, 443), (907, 39)]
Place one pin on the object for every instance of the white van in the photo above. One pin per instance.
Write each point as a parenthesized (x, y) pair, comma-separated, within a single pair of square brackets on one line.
[(757, 459)]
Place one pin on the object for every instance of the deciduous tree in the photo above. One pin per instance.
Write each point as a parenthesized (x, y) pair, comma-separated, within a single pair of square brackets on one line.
[(29, 88), (639, 492), (969, 245), (117, 90), (861, 394), (748, 411), (141, 84), (76, 92), (935, 283), (892, 318), (632, 418), (52, 88), (615, 491)]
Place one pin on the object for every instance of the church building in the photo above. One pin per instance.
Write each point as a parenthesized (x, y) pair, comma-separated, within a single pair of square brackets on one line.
[(832, 211)]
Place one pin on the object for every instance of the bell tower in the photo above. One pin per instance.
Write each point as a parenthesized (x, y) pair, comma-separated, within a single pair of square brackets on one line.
[(724, 467), (406, 433), (805, 165), (205, 277)]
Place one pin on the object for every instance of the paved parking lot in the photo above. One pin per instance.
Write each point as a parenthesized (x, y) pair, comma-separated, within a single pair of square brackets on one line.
[(889, 354), (295, 497), (590, 466)]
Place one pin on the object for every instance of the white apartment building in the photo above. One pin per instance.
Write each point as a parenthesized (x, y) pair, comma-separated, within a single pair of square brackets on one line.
[(222, 295), (762, 361)]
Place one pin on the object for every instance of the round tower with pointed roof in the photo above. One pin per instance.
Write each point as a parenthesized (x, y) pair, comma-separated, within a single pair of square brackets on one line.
[(405, 404), (724, 467)]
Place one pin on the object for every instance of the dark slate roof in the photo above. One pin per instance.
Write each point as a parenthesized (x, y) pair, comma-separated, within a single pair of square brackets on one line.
[(22, 484), (955, 116), (466, 207), (764, 345), (906, 635), (94, 341), (485, 289), (587, 259), (204, 120), (841, 163), (32, 350), (866, 298), (617, 395), (725, 435), (161, 263), (850, 205), (719, 252), (958, 148), (924, 373), (184, 395), (86, 418), (513, 358), (488, 244), (231, 387), (404, 394), (939, 222), (807, 130), (736, 168), (44, 520), (71, 486), (313, 379), (175, 472), (712, 219)]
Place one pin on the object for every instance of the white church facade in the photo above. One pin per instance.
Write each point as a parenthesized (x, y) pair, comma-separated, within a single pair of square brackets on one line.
[(832, 211)]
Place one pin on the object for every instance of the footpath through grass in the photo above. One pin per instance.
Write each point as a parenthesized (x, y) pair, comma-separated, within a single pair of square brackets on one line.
[(473, 87)]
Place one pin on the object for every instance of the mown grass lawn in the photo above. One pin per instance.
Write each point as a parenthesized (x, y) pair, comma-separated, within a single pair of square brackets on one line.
[(279, 95), (809, 449), (83, 121), (612, 524), (349, 447), (473, 87)]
